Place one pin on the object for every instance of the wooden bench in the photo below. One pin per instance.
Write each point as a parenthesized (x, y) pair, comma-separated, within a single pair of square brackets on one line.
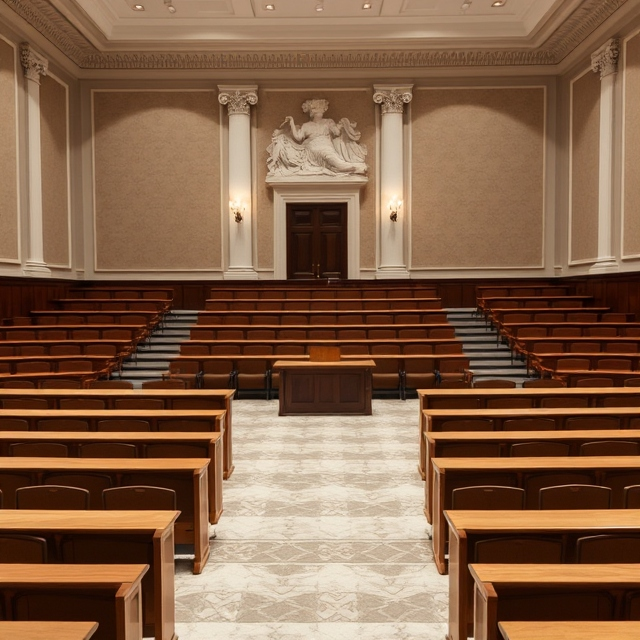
[(290, 290), (452, 473), (531, 397), (116, 587), (34, 630), (328, 331), (572, 630), (188, 477), (501, 319), (198, 445), (539, 591), (112, 304), (118, 292), (550, 364), (210, 400), (323, 304), (147, 534), (346, 317), (466, 528), (99, 365), (479, 444), (149, 319)]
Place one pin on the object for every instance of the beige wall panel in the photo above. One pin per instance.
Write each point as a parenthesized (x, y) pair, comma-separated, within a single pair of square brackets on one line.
[(631, 221), (55, 189), (8, 159), (585, 149), (157, 180), (273, 107), (477, 178)]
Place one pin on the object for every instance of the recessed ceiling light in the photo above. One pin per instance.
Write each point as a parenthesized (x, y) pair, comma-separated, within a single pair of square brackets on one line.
[(499, 3), (138, 7), (169, 5), (466, 5), (366, 5), (269, 7), (320, 7)]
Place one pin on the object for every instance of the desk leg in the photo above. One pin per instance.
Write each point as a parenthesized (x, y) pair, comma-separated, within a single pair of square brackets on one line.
[(423, 451), (215, 481), (228, 446), (128, 603), (439, 524), (201, 521), (458, 584), (164, 577)]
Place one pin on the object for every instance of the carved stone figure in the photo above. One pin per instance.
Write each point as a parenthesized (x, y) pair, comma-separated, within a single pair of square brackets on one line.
[(317, 147)]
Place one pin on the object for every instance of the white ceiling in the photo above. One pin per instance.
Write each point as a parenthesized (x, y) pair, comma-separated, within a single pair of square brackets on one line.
[(224, 23)]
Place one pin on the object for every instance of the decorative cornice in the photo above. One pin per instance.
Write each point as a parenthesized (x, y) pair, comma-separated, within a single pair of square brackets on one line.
[(33, 63), (392, 100), (238, 102), (64, 35), (605, 60)]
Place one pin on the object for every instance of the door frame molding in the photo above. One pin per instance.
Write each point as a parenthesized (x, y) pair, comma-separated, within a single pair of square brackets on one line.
[(311, 191)]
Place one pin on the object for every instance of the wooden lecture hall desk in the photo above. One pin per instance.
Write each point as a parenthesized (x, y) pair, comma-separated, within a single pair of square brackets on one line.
[(535, 397), (595, 591), (34, 630), (148, 445), (136, 536), (475, 444), (41, 590), (171, 399), (451, 473), (434, 420), (593, 630), (325, 387), (466, 528), (186, 476)]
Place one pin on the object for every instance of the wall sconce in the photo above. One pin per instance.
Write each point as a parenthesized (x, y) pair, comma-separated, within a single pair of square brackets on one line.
[(394, 206), (237, 208)]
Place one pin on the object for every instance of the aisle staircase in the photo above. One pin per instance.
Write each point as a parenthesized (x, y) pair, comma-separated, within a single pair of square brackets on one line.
[(489, 358), (152, 359)]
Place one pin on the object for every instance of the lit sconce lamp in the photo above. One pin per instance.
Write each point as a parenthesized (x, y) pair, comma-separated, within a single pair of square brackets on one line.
[(237, 208), (169, 5), (394, 206)]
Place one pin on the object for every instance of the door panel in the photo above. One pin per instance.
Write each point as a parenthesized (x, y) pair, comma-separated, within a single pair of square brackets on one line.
[(317, 240)]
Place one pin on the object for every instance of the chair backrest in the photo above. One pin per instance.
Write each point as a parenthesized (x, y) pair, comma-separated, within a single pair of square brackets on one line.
[(94, 483), (141, 497), (52, 497), (39, 449), (107, 450), (82, 403), (594, 382), (632, 496), (123, 424), (62, 424), (13, 424), (61, 383), (494, 384), (176, 450), (595, 422), (25, 403), (488, 497), (610, 448), (564, 401), (145, 404), (172, 383), (543, 382), (575, 496), (110, 384), (518, 550), (529, 424), (509, 403), (536, 481), (632, 382), (539, 449), (605, 549), (22, 549), (473, 424)]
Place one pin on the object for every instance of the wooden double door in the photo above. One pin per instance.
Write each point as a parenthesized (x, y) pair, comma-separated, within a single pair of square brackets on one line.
[(317, 241)]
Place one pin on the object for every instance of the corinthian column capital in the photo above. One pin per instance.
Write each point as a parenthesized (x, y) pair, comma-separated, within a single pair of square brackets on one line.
[(392, 99), (605, 60), (238, 99), (33, 63)]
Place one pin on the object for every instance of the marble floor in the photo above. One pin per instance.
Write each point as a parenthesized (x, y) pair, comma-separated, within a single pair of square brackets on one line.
[(322, 534)]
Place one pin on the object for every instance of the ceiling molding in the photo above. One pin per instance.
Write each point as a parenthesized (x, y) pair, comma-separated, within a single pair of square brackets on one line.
[(58, 29)]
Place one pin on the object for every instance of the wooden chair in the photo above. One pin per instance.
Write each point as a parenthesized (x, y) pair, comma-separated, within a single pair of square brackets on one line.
[(509, 403), (16, 548), (52, 497), (632, 497), (171, 383), (539, 449), (9, 484), (594, 382), (537, 481), (519, 550), (144, 404), (543, 382), (494, 384), (632, 382), (25, 403), (473, 424), (604, 422), (13, 424), (575, 496), (610, 448), (529, 424), (19, 384), (570, 402), (123, 424), (176, 450), (62, 424), (39, 449), (173, 425), (60, 383), (618, 481), (139, 497), (82, 403), (107, 450), (488, 497), (94, 483), (110, 384), (608, 549)]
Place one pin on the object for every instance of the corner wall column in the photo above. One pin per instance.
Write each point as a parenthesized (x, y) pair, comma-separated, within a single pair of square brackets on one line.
[(239, 213), (34, 66), (605, 62), (392, 227)]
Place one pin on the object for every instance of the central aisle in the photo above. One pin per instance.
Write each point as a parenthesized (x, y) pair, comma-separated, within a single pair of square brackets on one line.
[(322, 534)]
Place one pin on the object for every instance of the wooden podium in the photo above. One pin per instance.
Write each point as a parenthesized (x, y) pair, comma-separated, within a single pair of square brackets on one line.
[(331, 387)]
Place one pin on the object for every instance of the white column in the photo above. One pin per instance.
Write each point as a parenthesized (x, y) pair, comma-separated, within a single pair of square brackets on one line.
[(605, 62), (392, 218), (34, 66), (239, 213)]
